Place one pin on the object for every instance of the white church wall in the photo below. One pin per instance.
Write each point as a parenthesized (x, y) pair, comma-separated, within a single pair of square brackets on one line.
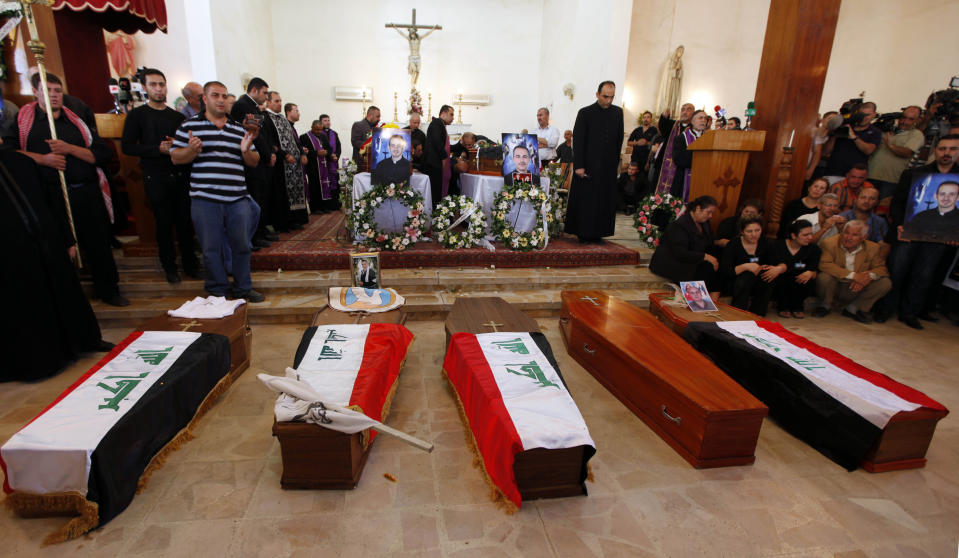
[(490, 48), (583, 43), (723, 42), (898, 53), (243, 41)]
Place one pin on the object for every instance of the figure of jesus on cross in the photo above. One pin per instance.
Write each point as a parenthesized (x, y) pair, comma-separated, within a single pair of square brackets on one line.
[(414, 39)]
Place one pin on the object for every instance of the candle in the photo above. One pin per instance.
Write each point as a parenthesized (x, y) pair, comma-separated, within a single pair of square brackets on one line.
[(791, 138)]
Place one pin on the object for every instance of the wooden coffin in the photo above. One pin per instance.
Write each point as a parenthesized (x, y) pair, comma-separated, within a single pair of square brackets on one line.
[(677, 317), (690, 403), (316, 457), (235, 327), (540, 473), (902, 444)]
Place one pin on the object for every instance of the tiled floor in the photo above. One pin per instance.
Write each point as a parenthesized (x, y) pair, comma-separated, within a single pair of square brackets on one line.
[(220, 495)]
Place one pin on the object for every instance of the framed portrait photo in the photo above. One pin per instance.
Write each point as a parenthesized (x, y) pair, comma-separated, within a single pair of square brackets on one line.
[(931, 212), (391, 158), (520, 158), (697, 297), (365, 270)]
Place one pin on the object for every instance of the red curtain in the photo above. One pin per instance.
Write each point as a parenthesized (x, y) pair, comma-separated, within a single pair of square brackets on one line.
[(128, 16)]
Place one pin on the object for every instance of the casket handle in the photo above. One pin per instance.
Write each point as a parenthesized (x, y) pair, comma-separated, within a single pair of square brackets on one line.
[(564, 320), (588, 350), (677, 420)]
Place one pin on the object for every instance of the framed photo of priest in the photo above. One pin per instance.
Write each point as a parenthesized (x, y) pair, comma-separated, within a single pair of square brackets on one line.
[(931, 213), (365, 270), (390, 161), (696, 296), (520, 158)]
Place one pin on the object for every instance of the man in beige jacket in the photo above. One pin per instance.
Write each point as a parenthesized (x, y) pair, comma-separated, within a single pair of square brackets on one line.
[(852, 273)]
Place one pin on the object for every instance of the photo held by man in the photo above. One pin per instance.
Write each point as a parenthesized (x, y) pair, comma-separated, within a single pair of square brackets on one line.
[(504, 279)]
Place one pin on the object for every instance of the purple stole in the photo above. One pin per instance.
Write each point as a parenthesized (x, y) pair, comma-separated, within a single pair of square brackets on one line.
[(689, 137), (323, 167), (668, 170)]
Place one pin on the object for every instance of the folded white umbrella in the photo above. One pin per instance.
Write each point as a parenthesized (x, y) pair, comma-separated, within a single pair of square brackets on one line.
[(330, 415)]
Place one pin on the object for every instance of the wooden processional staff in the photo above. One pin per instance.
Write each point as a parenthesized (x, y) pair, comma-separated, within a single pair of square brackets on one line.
[(37, 47)]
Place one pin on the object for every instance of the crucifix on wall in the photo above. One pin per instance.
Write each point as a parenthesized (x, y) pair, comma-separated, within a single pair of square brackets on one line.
[(414, 39)]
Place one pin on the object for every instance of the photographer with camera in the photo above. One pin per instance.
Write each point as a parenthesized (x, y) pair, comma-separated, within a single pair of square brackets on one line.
[(852, 142), (892, 156)]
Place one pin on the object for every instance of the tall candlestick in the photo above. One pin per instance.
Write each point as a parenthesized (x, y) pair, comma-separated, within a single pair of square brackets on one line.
[(396, 117)]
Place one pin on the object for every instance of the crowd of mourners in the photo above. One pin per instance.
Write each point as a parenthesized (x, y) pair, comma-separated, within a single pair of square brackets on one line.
[(839, 246)]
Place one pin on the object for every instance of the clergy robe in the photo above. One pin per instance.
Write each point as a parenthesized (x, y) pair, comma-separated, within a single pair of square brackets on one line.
[(388, 172), (436, 159), (257, 178), (597, 140), (664, 158), (683, 161), (321, 172), (48, 320)]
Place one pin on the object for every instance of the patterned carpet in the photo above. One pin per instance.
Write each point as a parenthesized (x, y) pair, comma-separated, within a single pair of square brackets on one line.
[(324, 244)]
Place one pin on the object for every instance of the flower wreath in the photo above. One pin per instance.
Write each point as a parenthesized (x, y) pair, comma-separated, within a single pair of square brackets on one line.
[(443, 218), (365, 225), (655, 212), (346, 174), (503, 229)]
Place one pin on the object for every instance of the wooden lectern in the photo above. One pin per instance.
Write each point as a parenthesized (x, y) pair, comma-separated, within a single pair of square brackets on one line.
[(719, 163)]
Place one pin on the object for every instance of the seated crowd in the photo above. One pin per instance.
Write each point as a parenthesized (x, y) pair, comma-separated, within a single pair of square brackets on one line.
[(837, 257)]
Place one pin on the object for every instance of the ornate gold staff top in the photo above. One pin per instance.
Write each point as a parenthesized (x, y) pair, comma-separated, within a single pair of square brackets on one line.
[(37, 47)]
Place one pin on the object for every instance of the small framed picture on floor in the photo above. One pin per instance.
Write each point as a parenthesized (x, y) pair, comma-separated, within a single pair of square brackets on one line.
[(365, 269), (697, 296)]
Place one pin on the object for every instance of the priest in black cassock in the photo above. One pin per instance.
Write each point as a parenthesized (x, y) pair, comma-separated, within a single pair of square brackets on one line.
[(597, 139), (49, 321)]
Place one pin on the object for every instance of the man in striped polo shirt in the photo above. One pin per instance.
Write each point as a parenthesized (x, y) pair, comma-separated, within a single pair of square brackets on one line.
[(221, 207)]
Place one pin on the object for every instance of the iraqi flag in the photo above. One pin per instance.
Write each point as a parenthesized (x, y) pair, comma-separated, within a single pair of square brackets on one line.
[(821, 397), (352, 365), (86, 451), (515, 399)]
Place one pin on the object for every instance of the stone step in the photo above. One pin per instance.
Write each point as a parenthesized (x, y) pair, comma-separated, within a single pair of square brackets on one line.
[(299, 309), (151, 284)]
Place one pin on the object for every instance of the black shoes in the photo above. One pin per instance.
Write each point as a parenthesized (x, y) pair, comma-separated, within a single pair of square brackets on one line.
[(927, 317), (172, 277), (117, 300), (251, 296), (105, 346), (911, 321), (261, 243), (880, 316), (272, 237), (820, 312), (859, 316), (193, 273)]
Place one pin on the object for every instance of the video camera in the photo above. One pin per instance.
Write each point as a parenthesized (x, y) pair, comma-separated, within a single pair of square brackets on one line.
[(851, 117), (941, 122), (887, 122)]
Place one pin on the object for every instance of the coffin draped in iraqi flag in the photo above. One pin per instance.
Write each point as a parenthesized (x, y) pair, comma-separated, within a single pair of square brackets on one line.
[(355, 365), (86, 452), (827, 400), (514, 400)]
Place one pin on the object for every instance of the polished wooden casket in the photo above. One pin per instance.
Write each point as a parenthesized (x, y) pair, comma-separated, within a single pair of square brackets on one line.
[(677, 317), (690, 403), (540, 473), (317, 457), (234, 327)]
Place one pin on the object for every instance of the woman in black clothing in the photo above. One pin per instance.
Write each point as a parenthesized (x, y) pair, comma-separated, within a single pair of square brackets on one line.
[(802, 206), (796, 260), (744, 263), (682, 252)]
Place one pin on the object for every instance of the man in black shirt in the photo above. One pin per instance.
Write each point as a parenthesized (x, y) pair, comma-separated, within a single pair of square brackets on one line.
[(258, 178), (77, 152), (148, 134), (912, 264)]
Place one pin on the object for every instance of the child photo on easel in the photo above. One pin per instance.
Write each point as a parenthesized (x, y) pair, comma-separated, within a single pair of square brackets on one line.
[(365, 270)]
